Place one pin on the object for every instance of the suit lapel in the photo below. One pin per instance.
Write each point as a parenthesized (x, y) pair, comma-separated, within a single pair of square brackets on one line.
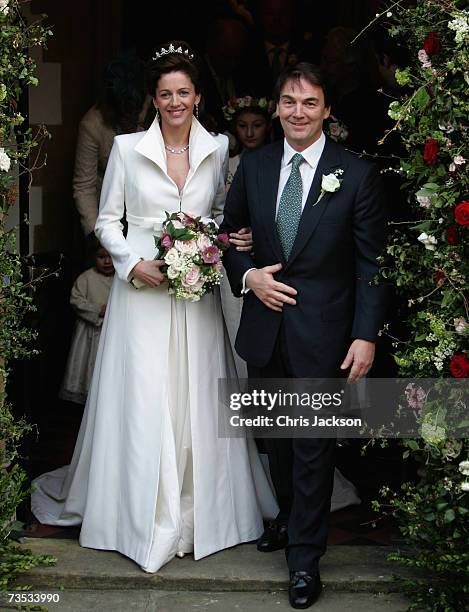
[(269, 176), (312, 212)]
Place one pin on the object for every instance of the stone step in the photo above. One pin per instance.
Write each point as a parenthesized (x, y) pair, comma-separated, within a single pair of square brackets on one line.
[(184, 601), (242, 568)]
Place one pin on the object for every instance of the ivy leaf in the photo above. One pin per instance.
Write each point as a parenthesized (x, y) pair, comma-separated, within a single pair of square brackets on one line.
[(421, 98)]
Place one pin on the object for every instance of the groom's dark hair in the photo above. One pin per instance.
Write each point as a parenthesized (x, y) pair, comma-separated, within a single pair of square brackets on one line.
[(306, 71)]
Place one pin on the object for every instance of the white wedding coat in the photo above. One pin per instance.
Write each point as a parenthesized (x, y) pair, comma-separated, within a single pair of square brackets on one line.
[(124, 483)]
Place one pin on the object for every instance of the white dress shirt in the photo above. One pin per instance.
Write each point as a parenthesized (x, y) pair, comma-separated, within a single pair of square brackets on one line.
[(312, 156)]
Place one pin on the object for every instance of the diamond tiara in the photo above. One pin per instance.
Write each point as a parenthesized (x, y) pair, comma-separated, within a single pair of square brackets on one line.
[(172, 49)]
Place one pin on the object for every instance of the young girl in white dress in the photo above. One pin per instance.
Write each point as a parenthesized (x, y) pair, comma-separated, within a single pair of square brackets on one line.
[(89, 296), (150, 477)]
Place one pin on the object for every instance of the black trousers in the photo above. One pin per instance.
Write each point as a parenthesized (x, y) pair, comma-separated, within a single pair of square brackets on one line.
[(302, 471)]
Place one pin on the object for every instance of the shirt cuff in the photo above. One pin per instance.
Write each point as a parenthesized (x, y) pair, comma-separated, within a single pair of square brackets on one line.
[(244, 289)]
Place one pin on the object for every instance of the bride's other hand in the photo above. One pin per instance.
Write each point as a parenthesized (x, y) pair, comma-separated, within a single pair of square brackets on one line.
[(242, 239), (149, 272)]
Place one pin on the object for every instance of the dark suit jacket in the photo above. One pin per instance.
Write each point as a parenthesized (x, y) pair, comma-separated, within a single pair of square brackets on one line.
[(332, 264)]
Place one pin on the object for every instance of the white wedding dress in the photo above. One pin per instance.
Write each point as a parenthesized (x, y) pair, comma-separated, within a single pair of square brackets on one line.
[(150, 477)]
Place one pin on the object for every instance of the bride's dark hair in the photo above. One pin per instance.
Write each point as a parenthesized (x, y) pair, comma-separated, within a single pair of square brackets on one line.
[(172, 62)]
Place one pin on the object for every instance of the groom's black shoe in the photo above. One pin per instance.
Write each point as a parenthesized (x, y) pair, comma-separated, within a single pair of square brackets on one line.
[(304, 589), (275, 537)]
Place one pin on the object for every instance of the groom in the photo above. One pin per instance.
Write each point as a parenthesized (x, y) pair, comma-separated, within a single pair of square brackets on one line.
[(311, 309)]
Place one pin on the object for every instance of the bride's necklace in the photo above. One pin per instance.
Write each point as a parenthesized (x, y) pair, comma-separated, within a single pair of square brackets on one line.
[(176, 151)]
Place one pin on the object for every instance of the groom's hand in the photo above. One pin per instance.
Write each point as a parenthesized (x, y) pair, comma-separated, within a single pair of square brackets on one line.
[(270, 292), (360, 356)]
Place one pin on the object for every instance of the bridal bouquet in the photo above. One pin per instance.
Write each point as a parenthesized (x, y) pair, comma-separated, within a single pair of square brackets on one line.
[(192, 250)]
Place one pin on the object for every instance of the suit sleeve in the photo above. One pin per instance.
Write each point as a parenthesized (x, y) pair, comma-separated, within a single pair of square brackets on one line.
[(108, 228), (236, 215), (369, 231)]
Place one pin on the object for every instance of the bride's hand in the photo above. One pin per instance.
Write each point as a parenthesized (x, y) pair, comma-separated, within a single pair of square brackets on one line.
[(242, 239), (149, 272)]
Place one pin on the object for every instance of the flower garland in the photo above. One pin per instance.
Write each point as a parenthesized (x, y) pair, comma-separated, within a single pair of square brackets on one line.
[(247, 103), (430, 269)]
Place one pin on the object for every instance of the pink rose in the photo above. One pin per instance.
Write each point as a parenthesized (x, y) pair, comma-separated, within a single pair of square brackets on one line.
[(193, 278), (166, 241), (204, 242), (177, 224), (187, 247), (211, 255)]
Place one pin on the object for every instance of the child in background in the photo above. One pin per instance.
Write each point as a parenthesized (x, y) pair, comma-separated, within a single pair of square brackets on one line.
[(88, 298)]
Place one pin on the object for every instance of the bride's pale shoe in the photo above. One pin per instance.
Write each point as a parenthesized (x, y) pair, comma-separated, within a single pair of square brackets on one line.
[(180, 554)]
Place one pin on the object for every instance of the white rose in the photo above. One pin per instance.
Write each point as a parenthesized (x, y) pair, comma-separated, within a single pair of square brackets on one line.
[(464, 468), (188, 247), (172, 272), (330, 183), (423, 201), (465, 486), (4, 6), (459, 160), (181, 264), (460, 325), (171, 257), (430, 242), (5, 161)]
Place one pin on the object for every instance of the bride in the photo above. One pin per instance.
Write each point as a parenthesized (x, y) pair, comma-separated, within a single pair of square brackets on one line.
[(149, 476)]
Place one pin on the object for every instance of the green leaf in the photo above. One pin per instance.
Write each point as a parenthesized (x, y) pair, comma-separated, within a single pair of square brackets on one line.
[(449, 515), (421, 98), (423, 227)]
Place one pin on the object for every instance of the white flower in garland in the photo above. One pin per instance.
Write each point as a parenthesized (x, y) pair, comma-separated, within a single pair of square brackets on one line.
[(424, 201), (5, 161), (459, 160), (430, 242), (460, 25), (465, 486), (464, 467), (433, 434), (4, 6), (460, 326)]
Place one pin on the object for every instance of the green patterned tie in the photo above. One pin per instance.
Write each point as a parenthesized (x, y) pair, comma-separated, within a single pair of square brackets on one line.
[(289, 209)]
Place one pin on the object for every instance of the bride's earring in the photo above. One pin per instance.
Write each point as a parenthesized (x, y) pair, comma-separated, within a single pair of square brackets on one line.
[(196, 109)]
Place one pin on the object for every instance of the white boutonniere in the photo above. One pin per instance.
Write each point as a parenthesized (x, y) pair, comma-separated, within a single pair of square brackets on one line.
[(330, 183)]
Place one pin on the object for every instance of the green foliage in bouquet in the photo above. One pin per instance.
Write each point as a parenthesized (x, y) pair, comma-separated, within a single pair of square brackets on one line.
[(20, 153), (429, 264)]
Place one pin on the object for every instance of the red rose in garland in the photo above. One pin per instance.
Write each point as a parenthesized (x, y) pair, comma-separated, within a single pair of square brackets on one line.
[(459, 366), (439, 277), (432, 43), (430, 151), (451, 234), (461, 213)]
